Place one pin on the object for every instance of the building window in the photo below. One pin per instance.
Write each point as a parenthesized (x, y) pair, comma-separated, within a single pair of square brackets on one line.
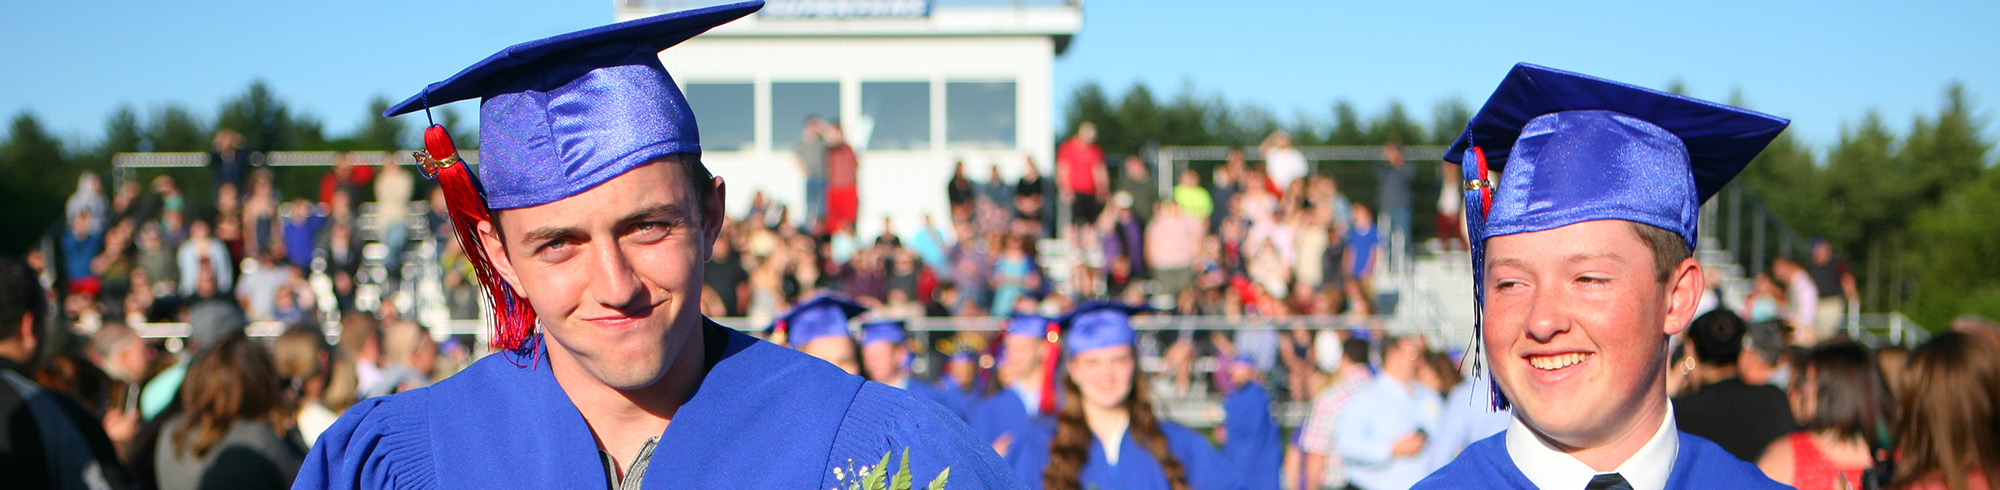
[(726, 113), (979, 115), (793, 102), (900, 113)]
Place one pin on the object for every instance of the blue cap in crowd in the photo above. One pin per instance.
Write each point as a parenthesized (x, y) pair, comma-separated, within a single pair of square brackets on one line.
[(823, 316), (562, 115), (1026, 325), (891, 331), (1569, 148), (1097, 325)]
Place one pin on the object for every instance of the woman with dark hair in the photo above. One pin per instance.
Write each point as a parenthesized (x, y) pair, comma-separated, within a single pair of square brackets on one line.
[(226, 435), (1843, 404), (1949, 436), (1106, 434)]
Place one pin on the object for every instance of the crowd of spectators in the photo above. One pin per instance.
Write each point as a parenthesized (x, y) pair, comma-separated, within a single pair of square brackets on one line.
[(1269, 246)]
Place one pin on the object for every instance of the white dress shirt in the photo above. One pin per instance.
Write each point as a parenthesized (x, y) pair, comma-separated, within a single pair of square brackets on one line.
[(1550, 468)]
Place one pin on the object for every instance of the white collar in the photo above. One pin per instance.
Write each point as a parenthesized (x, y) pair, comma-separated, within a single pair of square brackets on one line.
[(1550, 468)]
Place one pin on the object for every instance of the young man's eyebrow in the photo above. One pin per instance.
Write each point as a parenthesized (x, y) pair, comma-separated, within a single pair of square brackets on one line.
[(670, 211)]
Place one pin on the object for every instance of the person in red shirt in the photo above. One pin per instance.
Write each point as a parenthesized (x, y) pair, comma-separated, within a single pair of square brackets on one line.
[(842, 193), (1080, 175)]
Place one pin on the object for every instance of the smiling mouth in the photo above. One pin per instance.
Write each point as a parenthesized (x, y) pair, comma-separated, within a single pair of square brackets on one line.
[(1557, 361)]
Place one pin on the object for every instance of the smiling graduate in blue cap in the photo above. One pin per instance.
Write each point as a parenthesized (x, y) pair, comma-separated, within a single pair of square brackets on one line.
[(1583, 195), (1106, 434), (589, 222)]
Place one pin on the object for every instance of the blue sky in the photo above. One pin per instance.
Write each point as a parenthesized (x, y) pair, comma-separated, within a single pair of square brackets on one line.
[(1823, 64)]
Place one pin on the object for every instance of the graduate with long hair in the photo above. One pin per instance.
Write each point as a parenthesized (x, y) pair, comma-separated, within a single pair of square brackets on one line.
[(1107, 401)]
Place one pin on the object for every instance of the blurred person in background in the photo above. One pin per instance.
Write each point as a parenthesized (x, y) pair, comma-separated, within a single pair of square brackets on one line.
[(885, 358), (1323, 465), (88, 200), (228, 432), (1192, 198), (409, 356), (1031, 208), (361, 341), (1249, 434), (1081, 178), (1949, 435), (229, 159), (202, 254), (1802, 300), (818, 327), (305, 363), (50, 440), (1108, 435), (394, 188), (1844, 411), (1394, 178), (843, 171), (811, 150), (262, 232), (81, 243), (1136, 180), (128, 360), (1283, 163), (1764, 360), (1741, 417), (999, 419), (1468, 409), (1384, 431), (1835, 285)]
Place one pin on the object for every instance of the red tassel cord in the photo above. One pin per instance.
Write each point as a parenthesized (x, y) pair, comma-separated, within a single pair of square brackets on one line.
[(1049, 358), (1485, 191), (514, 319)]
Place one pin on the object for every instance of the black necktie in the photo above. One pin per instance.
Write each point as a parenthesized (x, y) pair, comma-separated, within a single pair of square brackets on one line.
[(1608, 481)]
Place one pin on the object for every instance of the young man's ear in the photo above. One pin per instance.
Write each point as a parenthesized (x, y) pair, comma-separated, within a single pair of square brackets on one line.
[(495, 247), (1685, 285), (711, 217)]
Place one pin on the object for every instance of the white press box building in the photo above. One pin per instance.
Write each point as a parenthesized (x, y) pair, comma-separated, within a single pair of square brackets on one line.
[(917, 85)]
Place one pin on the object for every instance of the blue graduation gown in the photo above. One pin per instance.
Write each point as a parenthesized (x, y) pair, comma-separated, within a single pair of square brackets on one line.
[(763, 417), (1700, 464), (1254, 447), (944, 397), (1002, 413), (1136, 468)]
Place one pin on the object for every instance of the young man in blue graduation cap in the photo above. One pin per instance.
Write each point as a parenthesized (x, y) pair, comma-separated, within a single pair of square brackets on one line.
[(818, 327), (589, 223), (885, 357), (1106, 433), (1027, 389), (1583, 195)]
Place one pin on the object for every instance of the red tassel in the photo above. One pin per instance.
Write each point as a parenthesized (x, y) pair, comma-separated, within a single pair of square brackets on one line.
[(1049, 358), (1485, 192), (514, 319)]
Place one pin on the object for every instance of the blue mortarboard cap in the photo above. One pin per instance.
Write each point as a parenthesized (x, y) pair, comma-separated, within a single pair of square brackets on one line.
[(891, 331), (1572, 148), (824, 316), (564, 114), (1577, 148), (1098, 324), (1026, 325)]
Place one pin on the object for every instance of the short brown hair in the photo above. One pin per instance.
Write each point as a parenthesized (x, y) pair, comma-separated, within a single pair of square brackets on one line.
[(1668, 249)]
